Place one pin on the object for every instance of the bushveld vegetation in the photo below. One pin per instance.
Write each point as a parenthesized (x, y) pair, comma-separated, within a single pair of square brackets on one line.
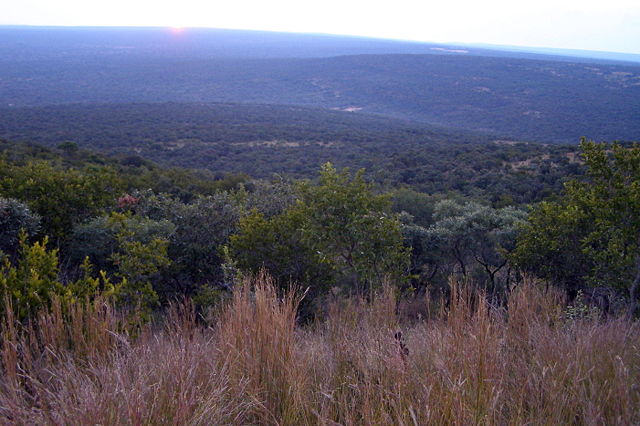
[(261, 140), (324, 301), (541, 100)]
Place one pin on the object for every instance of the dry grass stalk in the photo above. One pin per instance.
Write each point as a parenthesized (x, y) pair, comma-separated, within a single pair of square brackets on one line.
[(473, 364)]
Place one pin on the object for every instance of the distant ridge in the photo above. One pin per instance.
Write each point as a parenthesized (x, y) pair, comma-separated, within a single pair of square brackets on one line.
[(242, 43), (566, 53), (518, 95)]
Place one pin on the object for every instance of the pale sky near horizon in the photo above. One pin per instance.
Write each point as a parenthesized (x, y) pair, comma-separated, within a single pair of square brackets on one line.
[(612, 25)]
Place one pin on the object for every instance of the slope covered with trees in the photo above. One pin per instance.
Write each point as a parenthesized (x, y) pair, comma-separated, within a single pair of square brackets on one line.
[(260, 140), (310, 301), (537, 99), (179, 232)]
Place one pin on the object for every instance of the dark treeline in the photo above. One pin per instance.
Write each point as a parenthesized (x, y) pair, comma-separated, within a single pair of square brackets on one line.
[(151, 234), (260, 140)]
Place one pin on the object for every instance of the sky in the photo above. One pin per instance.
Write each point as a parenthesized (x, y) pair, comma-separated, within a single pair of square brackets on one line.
[(606, 25)]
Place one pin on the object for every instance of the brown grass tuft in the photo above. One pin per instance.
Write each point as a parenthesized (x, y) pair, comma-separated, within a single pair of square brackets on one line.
[(474, 363)]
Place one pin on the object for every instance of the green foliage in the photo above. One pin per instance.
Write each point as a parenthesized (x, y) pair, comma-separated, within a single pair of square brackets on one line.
[(339, 232), (352, 229), (88, 286), (270, 197), (465, 238), (98, 239), (137, 260), (202, 226), (612, 201), (131, 249), (596, 225), (33, 283), (277, 244), (418, 204), (14, 218), (232, 140), (550, 244), (61, 197), (133, 172)]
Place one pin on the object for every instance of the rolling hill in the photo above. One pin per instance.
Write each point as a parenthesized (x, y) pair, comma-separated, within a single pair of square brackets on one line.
[(262, 140), (514, 94), (256, 139)]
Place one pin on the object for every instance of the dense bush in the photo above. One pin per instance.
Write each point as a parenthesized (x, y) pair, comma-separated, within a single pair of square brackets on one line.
[(337, 233), (32, 283), (62, 197), (14, 218), (591, 235)]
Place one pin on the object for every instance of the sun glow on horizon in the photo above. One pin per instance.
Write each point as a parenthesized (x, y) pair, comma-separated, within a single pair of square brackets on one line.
[(570, 24)]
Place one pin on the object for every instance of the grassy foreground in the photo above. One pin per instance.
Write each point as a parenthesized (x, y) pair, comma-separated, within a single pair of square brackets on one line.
[(468, 364)]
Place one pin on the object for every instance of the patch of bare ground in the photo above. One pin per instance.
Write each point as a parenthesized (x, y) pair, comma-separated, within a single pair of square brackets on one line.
[(285, 144)]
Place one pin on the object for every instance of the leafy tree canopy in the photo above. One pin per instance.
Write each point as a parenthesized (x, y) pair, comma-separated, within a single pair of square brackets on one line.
[(338, 232), (592, 235)]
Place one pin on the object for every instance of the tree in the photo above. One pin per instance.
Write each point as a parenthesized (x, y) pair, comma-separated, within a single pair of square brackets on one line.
[(61, 197), (68, 147), (202, 226), (595, 226), (14, 218), (549, 244), (469, 238), (277, 244), (352, 228), (338, 232)]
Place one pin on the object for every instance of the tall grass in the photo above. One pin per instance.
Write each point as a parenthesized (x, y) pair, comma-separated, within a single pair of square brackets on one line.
[(473, 363)]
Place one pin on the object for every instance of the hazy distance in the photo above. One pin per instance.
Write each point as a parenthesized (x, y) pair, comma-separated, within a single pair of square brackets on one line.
[(612, 26)]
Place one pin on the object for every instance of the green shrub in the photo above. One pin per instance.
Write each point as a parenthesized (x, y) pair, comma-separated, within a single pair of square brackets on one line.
[(14, 217)]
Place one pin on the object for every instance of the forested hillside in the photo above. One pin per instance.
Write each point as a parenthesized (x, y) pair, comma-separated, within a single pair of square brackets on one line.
[(199, 224), (541, 99), (239, 289), (260, 140), (197, 228)]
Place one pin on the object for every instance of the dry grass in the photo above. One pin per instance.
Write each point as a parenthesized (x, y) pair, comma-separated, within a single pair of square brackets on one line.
[(473, 364)]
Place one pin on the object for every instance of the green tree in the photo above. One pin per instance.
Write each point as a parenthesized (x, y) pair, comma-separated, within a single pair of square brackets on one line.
[(62, 197), (469, 239), (202, 226), (352, 229), (550, 244), (418, 204), (277, 244), (595, 226), (338, 232), (14, 218)]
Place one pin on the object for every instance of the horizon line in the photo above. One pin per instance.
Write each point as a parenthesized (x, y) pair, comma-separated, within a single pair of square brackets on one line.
[(478, 45)]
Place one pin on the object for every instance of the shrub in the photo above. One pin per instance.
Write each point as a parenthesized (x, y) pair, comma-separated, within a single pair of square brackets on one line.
[(14, 217)]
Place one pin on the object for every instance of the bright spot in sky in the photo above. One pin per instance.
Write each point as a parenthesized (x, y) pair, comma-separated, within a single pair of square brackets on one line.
[(612, 25)]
